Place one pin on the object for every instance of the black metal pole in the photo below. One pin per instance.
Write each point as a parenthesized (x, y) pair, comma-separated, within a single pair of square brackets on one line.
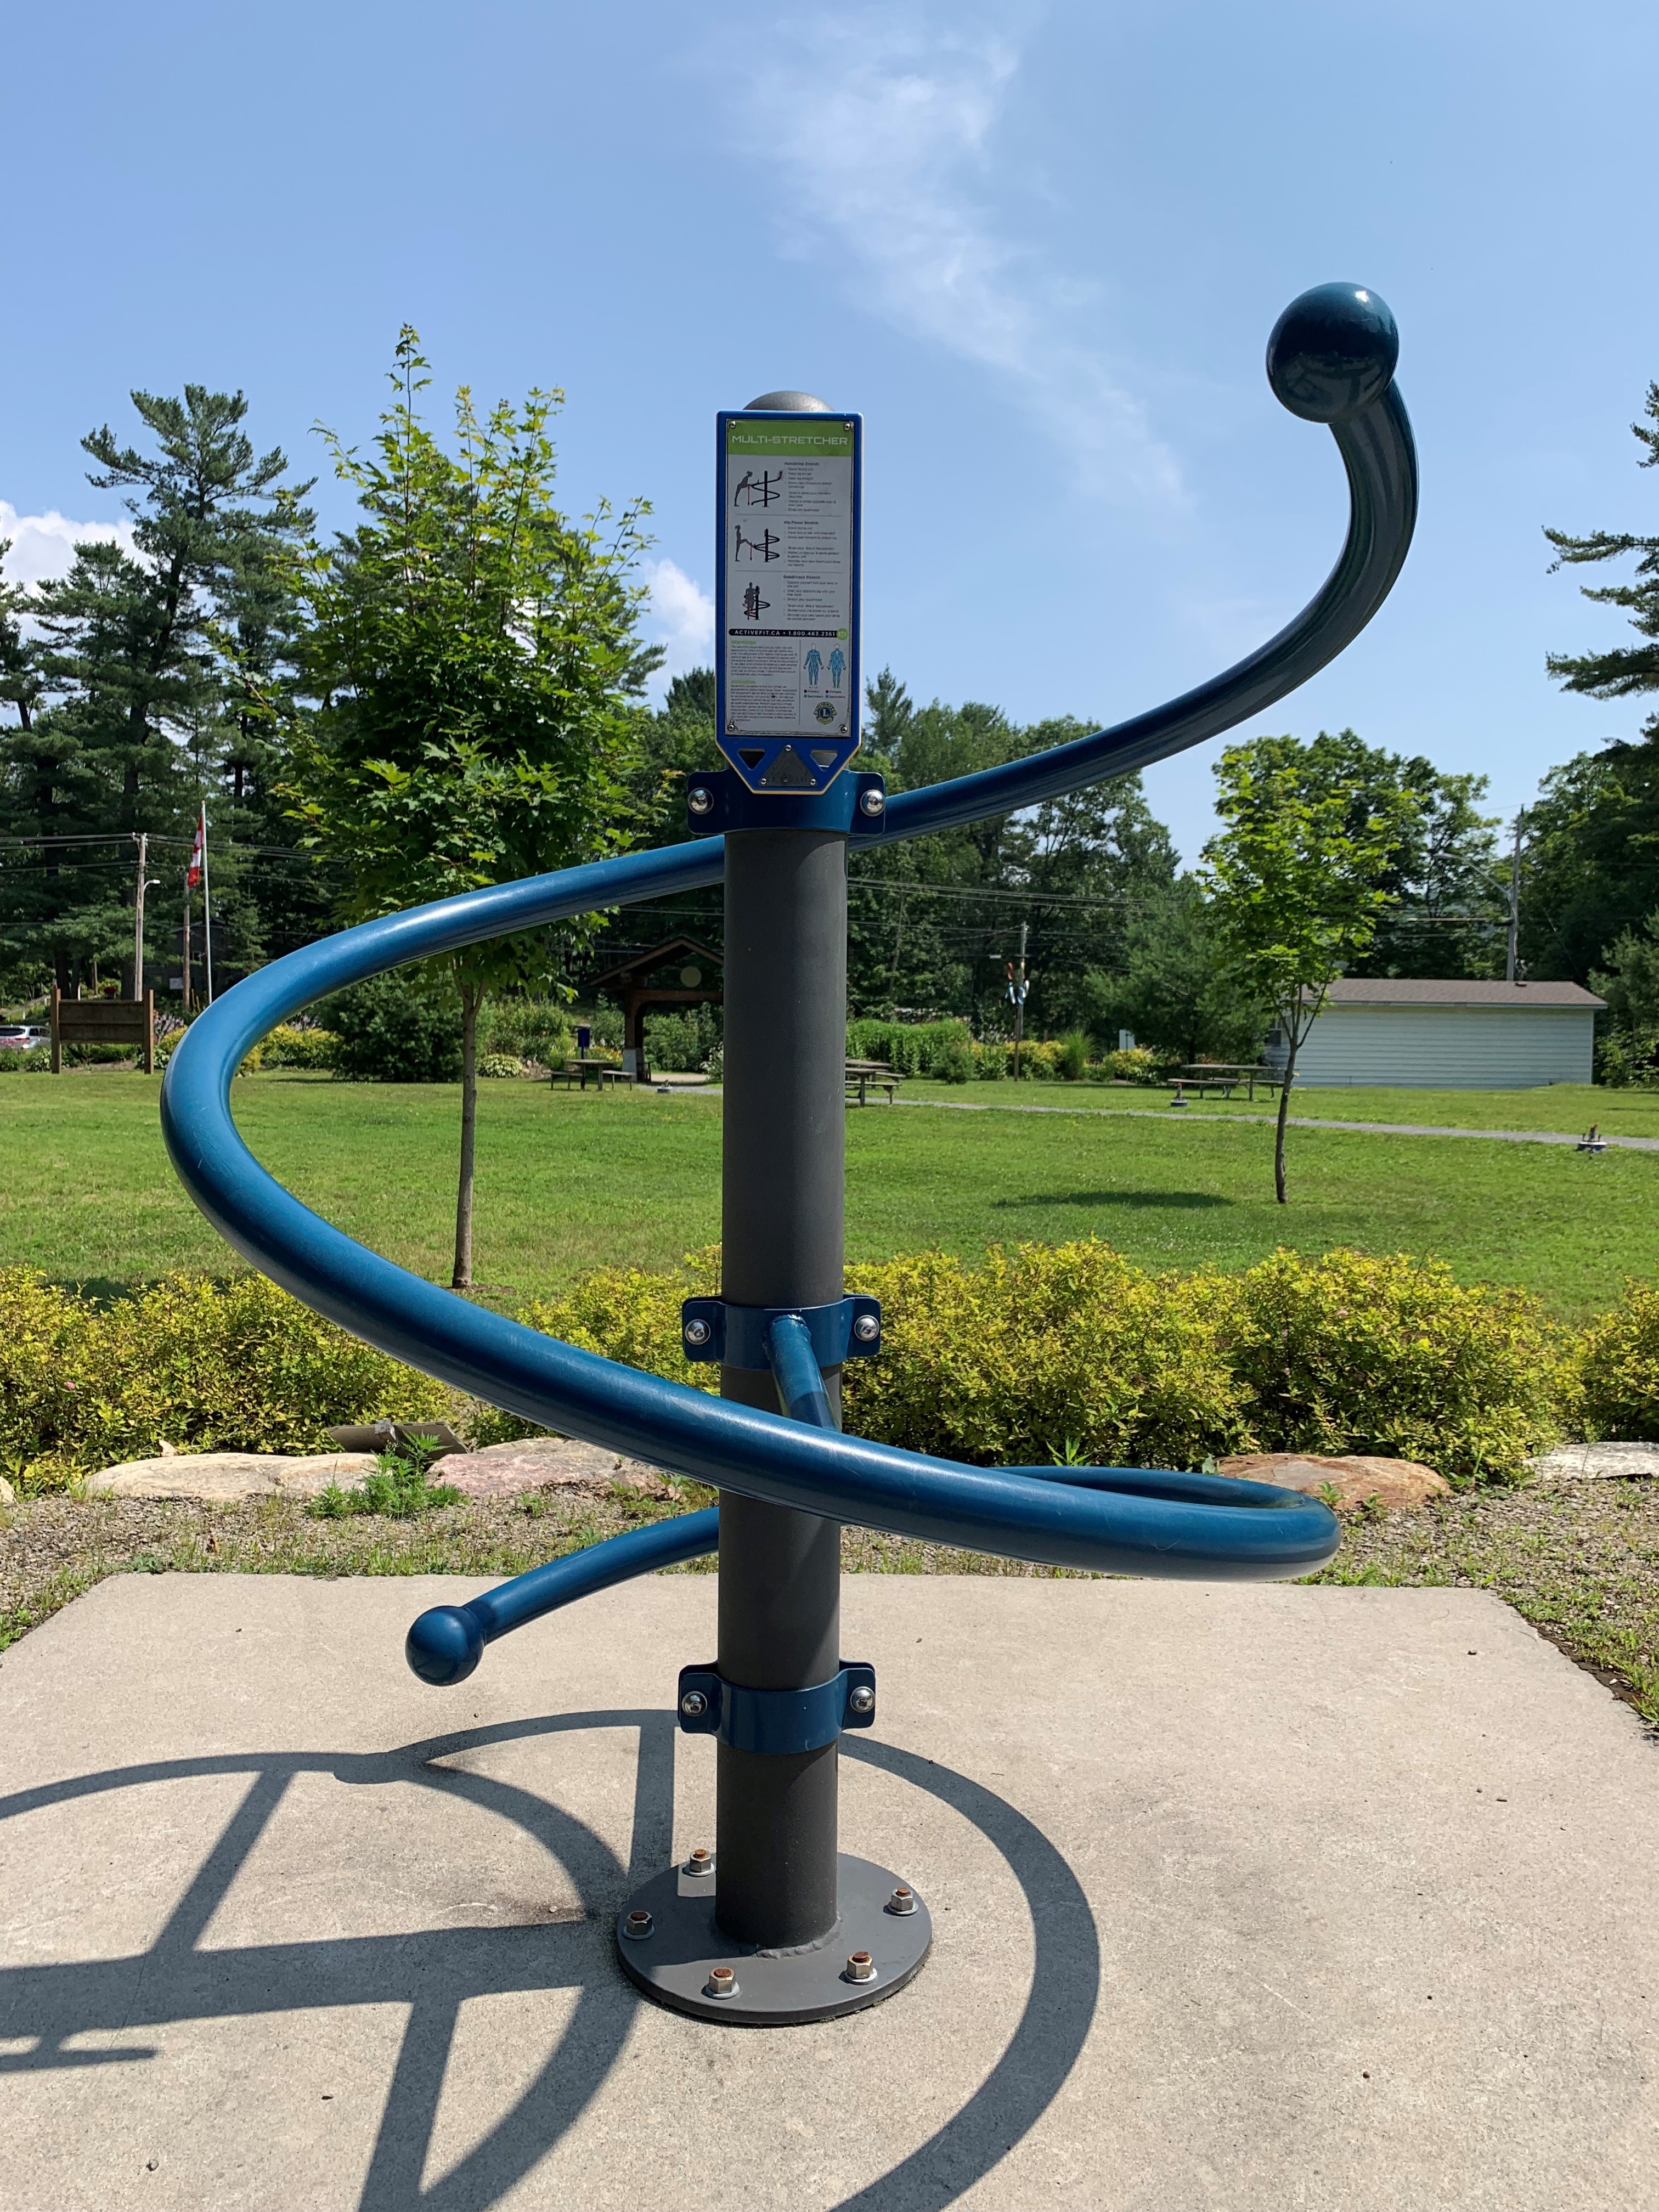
[(785, 1192)]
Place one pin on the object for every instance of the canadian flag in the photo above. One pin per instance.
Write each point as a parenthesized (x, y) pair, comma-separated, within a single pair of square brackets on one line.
[(198, 853)]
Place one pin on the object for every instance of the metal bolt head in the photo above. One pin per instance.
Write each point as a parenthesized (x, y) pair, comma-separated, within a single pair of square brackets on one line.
[(860, 1967), (863, 1699), (693, 1704), (902, 1900), (722, 1983), (700, 798), (638, 1925), (698, 1334), (700, 1862), (873, 801), (867, 1328)]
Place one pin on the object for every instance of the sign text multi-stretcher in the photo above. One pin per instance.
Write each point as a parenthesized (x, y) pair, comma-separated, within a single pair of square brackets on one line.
[(789, 603)]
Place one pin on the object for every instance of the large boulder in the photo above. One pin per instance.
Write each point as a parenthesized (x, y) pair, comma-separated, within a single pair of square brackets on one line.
[(1619, 1462), (1401, 1485), (496, 1471), (537, 1462), (228, 1477)]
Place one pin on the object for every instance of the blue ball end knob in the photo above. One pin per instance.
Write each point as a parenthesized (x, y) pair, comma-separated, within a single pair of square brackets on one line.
[(444, 1645), (1332, 352)]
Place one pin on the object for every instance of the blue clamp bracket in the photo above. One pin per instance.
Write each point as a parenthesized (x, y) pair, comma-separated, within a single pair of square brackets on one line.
[(774, 1721), (736, 1335), (718, 800)]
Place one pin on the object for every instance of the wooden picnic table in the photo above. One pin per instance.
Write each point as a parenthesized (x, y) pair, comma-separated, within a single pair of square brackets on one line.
[(578, 1070), (1225, 1077), (867, 1075)]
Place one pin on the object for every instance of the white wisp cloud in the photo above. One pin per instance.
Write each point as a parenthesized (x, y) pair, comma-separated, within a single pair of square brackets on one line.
[(43, 545), (892, 183), (681, 620)]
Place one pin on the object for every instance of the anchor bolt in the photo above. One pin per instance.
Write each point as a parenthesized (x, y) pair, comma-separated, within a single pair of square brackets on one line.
[(860, 1967), (902, 1900), (638, 1925), (721, 1982), (700, 1862)]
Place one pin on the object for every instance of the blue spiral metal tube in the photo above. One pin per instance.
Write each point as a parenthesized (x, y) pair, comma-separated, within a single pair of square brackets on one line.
[(1331, 359)]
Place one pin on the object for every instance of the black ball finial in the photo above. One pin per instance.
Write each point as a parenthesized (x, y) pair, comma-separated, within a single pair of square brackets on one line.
[(444, 1645), (1332, 352)]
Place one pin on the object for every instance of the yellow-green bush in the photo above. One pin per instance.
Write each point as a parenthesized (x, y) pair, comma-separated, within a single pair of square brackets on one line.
[(236, 1366), (1392, 1356), (626, 1314), (1612, 1383), (1054, 1351), (1039, 1060), (1047, 1352), (290, 1046)]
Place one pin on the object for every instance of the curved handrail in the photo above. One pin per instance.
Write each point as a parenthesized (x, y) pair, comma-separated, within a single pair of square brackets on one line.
[(1114, 1520), (1381, 458)]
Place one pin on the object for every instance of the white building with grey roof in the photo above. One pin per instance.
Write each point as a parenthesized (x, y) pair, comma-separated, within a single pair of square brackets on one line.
[(1432, 1035)]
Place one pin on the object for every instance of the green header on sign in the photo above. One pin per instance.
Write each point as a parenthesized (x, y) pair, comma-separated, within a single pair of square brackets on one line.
[(804, 438)]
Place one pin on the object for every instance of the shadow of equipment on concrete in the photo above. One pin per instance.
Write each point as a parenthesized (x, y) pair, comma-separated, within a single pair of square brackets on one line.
[(433, 1972)]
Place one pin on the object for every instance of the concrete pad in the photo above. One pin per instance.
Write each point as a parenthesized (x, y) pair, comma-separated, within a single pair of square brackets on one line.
[(1244, 1898)]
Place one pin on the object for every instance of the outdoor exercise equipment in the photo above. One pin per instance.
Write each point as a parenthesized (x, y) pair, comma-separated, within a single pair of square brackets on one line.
[(780, 1927)]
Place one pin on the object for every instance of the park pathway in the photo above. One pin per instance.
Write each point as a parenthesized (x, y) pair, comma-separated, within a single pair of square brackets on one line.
[(1296, 1121)]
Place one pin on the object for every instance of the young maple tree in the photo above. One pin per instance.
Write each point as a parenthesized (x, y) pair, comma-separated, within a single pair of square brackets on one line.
[(1296, 884), (474, 658)]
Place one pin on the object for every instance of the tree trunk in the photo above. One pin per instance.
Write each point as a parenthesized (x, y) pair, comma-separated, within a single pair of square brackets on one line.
[(470, 996), (1283, 1108)]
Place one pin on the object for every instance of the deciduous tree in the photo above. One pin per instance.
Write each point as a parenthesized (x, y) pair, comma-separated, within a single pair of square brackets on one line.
[(1297, 886), (474, 655)]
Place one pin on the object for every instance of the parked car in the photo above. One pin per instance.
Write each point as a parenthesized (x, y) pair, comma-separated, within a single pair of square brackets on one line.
[(18, 1037)]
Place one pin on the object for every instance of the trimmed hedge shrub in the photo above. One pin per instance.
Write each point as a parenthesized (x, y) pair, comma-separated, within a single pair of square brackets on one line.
[(1048, 1352), (1058, 1351), (289, 1046), (526, 1029), (1392, 1356), (1613, 1386), (238, 1366)]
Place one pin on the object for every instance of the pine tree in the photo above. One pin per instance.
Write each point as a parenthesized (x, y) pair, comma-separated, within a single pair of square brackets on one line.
[(126, 730), (1622, 671)]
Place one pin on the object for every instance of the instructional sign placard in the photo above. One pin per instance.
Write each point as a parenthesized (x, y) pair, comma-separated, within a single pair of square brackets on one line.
[(786, 596)]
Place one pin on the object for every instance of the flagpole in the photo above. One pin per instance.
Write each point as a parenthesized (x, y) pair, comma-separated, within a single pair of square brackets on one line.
[(207, 912)]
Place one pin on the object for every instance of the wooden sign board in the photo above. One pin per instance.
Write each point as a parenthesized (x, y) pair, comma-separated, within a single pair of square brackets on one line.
[(103, 1021)]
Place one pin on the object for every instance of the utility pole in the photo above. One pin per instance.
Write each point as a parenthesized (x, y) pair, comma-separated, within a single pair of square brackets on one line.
[(138, 919), (1515, 902), (1019, 997), (207, 914)]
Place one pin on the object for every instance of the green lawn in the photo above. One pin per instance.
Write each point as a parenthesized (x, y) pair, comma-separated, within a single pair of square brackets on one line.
[(567, 1180)]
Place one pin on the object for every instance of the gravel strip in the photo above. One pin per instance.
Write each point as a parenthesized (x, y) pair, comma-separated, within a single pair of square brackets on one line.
[(1580, 1561)]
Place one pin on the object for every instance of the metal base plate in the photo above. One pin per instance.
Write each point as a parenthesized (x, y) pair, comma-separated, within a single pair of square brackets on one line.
[(774, 1989)]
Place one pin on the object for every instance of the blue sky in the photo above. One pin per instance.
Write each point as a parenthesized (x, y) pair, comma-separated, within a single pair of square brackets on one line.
[(1040, 248)]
